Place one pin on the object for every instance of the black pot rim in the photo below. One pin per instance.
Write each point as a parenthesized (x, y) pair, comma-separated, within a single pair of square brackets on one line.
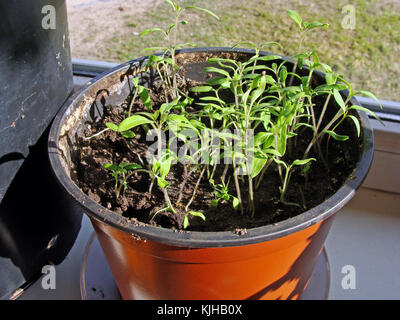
[(195, 239)]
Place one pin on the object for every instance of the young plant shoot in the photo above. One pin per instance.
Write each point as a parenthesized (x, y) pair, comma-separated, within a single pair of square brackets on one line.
[(245, 121)]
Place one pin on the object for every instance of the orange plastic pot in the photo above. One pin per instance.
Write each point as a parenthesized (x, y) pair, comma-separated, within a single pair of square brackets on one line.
[(275, 269), (147, 262)]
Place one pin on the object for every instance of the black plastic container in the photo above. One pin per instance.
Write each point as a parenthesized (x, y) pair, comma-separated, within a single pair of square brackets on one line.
[(37, 225)]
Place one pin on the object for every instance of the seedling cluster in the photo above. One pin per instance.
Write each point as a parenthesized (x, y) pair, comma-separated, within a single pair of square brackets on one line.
[(269, 105)]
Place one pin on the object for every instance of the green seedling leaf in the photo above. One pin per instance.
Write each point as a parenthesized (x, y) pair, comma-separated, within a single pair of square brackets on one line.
[(185, 222), (272, 151), (261, 137), (165, 166), (214, 203), (369, 95), (235, 203), (133, 166), (194, 214), (306, 167), (280, 162), (247, 43), (356, 123), (147, 31), (197, 214), (128, 134), (122, 165), (112, 167), (171, 26), (326, 67), (162, 183), (201, 89), (217, 81), (132, 121), (216, 70), (171, 4), (257, 166), (355, 107), (222, 65), (215, 99), (264, 58), (339, 100), (336, 136), (296, 18), (331, 78), (135, 81), (315, 24), (303, 124), (283, 74), (171, 62), (152, 61), (112, 126), (204, 10), (268, 43), (302, 162), (326, 88)]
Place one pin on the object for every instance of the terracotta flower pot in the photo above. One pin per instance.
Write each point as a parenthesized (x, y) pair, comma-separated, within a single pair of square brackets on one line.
[(147, 262)]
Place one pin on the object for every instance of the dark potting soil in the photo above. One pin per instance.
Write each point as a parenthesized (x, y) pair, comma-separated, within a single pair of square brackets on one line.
[(136, 203)]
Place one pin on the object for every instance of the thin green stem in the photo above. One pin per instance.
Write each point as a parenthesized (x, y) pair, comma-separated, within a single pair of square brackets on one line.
[(195, 189)]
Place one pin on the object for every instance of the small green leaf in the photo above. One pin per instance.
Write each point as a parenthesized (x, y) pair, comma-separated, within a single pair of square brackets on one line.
[(326, 88), (165, 166), (162, 183), (264, 58), (261, 137), (369, 95), (147, 31), (315, 24), (336, 136), (112, 167), (257, 166), (131, 122), (145, 97), (135, 81), (201, 89), (217, 81), (272, 151), (171, 3), (194, 214), (280, 162), (356, 123), (204, 10), (185, 222), (283, 74), (339, 100), (330, 78), (215, 99), (248, 43), (296, 18), (235, 203), (122, 165), (355, 107), (128, 134), (216, 70), (112, 126), (214, 203), (302, 162), (133, 166), (171, 26), (197, 214)]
